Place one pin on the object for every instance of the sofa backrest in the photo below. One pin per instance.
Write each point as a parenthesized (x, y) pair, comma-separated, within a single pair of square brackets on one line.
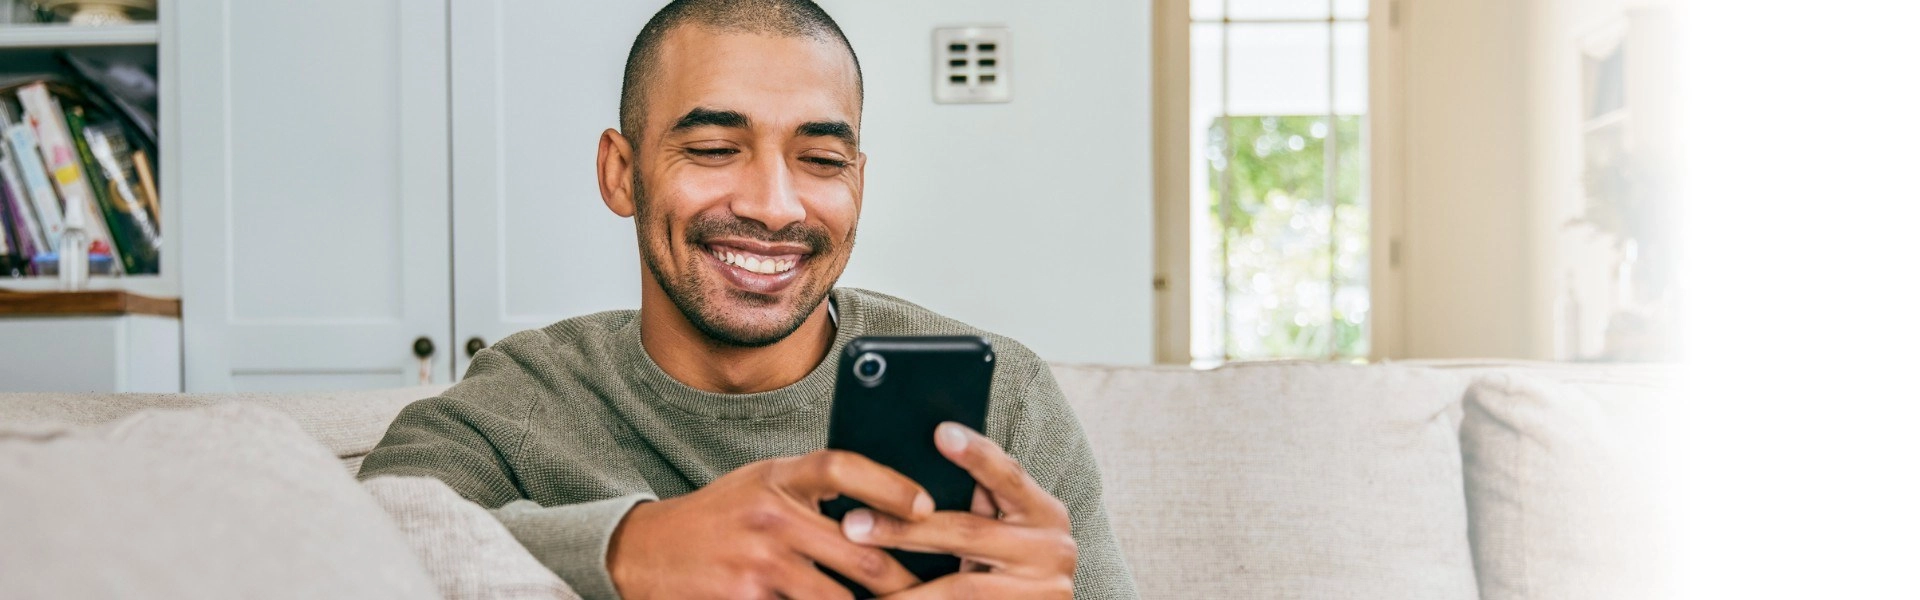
[(1282, 480), (347, 423)]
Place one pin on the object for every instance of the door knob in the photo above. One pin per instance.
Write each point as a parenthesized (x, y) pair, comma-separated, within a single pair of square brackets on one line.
[(475, 345), (423, 349)]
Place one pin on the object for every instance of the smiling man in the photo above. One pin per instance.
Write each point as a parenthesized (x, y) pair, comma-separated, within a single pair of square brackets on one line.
[(676, 451)]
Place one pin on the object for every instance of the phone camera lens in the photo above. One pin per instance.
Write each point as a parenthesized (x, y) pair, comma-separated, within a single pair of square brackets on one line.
[(868, 368)]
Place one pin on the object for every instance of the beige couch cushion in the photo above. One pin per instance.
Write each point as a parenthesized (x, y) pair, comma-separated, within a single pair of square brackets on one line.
[(229, 501), (1563, 484), (348, 423), (1282, 480), (469, 554)]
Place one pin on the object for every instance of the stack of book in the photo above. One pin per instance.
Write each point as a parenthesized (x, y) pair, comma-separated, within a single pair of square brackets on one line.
[(73, 146)]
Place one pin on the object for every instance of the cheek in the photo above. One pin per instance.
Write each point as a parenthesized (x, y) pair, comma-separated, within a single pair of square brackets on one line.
[(675, 195), (833, 204)]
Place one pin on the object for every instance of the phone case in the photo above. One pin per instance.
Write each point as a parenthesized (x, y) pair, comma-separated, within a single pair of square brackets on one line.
[(890, 417)]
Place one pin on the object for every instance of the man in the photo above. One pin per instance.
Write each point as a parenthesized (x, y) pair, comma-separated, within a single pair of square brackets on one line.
[(676, 451)]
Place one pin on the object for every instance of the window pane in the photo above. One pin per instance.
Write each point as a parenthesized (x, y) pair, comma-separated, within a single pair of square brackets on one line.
[(1207, 10), (1350, 9), (1207, 306), (1277, 68), (1278, 9), (1350, 68), (1277, 225), (1280, 260), (1352, 301)]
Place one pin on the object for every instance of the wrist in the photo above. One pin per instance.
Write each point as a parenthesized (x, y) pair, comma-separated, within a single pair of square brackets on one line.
[(623, 560)]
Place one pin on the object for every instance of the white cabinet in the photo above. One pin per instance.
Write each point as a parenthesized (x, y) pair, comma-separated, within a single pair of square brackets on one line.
[(533, 87), (334, 216), (313, 162), (117, 353)]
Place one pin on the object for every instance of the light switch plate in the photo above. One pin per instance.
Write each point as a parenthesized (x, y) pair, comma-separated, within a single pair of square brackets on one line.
[(971, 65)]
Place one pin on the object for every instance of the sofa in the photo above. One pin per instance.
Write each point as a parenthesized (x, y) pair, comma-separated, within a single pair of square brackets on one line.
[(1430, 479)]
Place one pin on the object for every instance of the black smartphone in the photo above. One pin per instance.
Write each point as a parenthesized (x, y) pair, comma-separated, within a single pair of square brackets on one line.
[(891, 394)]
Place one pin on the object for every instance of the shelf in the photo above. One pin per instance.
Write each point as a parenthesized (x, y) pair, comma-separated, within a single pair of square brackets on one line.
[(85, 304), (149, 285), (68, 36)]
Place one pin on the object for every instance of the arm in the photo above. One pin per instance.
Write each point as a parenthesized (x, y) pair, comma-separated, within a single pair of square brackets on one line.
[(464, 442), (1054, 448)]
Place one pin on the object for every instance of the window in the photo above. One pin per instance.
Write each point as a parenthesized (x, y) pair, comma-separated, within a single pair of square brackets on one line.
[(1278, 200)]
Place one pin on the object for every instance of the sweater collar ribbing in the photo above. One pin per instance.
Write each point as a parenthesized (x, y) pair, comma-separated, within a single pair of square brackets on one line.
[(815, 388)]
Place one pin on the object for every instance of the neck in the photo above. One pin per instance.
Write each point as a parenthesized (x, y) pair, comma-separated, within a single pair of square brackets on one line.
[(698, 361)]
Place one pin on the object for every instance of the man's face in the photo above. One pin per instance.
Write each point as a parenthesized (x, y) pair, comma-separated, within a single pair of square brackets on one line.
[(747, 179)]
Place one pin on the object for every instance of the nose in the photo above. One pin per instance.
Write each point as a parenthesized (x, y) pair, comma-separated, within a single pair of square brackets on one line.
[(770, 198)]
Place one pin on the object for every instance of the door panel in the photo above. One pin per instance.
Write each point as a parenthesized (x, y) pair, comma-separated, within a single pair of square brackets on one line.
[(315, 168), (533, 87)]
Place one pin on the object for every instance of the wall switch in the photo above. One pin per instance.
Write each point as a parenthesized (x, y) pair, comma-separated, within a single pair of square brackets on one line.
[(970, 65)]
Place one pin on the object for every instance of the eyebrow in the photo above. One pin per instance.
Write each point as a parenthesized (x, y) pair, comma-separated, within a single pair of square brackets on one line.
[(832, 129), (708, 117), (715, 117)]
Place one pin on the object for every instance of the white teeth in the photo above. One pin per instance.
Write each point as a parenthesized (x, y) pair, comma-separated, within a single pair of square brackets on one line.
[(763, 266)]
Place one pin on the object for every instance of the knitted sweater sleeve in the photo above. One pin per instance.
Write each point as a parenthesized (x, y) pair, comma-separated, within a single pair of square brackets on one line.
[(1049, 442), (467, 438)]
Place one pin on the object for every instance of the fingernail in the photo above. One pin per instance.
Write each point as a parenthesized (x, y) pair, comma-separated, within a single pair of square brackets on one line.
[(922, 505), (857, 525), (950, 434)]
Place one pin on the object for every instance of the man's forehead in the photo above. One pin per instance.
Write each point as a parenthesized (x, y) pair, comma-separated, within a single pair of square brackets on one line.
[(773, 79)]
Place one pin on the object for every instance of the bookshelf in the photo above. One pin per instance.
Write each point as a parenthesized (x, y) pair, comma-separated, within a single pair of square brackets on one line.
[(54, 37), (30, 48)]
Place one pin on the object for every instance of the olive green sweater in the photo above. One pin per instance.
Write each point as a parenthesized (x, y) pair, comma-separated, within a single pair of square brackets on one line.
[(561, 430)]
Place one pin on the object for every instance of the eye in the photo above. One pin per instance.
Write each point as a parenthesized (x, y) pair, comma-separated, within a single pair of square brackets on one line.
[(712, 152), (824, 161)]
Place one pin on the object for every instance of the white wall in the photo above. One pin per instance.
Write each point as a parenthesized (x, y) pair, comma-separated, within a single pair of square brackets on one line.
[(1031, 219), (1469, 261)]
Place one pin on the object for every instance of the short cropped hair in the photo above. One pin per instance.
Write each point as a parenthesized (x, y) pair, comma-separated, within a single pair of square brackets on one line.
[(785, 18)]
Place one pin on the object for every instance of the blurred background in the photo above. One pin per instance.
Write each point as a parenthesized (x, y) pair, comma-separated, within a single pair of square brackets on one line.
[(368, 190), (288, 196)]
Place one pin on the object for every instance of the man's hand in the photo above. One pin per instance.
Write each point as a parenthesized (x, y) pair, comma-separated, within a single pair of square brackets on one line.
[(1028, 552), (757, 532)]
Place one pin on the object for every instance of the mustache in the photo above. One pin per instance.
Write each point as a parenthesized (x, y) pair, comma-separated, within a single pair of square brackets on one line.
[(710, 226)]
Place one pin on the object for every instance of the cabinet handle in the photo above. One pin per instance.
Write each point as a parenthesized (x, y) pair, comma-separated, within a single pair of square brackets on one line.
[(423, 348), (475, 345)]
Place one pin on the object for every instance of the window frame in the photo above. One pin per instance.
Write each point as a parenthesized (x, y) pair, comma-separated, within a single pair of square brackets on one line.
[(1173, 277)]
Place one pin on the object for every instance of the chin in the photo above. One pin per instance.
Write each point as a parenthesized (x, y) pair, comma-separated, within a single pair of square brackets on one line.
[(749, 320)]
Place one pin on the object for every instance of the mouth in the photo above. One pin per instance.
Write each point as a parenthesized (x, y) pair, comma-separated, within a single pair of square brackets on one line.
[(756, 266)]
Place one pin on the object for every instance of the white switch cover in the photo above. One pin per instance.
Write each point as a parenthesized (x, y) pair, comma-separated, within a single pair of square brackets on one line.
[(970, 65)]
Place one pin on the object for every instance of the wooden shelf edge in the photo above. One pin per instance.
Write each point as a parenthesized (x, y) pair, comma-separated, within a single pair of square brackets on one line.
[(85, 303), (28, 36)]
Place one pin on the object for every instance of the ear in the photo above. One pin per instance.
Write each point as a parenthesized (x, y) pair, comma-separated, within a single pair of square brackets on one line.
[(615, 168), (859, 182)]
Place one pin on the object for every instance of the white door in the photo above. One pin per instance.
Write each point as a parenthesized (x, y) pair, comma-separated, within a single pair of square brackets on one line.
[(314, 168), (534, 84)]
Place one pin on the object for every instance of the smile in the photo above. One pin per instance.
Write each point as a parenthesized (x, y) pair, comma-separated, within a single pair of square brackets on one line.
[(764, 265), (757, 267)]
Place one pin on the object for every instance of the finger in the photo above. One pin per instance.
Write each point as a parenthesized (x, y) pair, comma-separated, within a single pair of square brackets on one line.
[(983, 504), (798, 580), (828, 473), (972, 537), (988, 585), (1015, 492), (820, 540)]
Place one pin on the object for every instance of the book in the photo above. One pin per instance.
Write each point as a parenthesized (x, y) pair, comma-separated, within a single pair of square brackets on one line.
[(26, 221), (29, 173), (108, 142), (44, 113), (133, 233), (144, 171)]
